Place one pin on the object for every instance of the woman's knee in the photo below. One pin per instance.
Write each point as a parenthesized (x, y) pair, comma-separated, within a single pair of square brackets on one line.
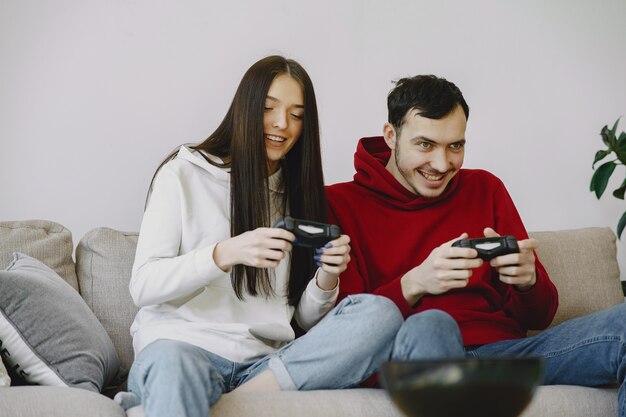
[(381, 313), (181, 373), (165, 357)]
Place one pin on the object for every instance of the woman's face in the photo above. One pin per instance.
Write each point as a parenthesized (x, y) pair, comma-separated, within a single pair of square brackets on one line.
[(283, 118)]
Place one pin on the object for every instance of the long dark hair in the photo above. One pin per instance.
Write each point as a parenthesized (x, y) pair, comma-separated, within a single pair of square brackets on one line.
[(239, 141)]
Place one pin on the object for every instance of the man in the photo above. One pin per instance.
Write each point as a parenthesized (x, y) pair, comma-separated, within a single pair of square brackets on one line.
[(409, 201)]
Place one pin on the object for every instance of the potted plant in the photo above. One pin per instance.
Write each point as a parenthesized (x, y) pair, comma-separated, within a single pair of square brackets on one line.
[(616, 150)]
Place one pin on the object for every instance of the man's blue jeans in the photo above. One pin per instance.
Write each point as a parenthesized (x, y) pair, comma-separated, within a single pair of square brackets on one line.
[(172, 378), (588, 351)]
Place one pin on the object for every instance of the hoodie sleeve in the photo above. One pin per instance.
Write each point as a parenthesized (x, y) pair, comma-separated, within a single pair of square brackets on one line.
[(533, 309), (160, 273), (314, 304)]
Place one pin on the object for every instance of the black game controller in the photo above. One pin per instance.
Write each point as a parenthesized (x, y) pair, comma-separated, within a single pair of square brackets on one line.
[(490, 247), (309, 234)]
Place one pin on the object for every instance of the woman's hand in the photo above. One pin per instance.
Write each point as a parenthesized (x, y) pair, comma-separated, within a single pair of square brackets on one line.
[(333, 260), (264, 247)]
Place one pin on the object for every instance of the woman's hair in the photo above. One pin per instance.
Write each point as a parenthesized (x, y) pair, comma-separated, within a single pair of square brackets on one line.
[(239, 141)]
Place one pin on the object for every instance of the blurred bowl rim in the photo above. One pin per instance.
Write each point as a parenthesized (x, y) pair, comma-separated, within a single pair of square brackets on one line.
[(387, 367), (469, 359)]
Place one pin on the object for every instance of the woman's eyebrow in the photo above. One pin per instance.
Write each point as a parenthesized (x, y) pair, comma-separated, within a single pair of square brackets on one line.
[(300, 106)]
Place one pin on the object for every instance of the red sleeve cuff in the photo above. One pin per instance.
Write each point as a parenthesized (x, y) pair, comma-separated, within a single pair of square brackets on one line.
[(540, 293), (393, 291)]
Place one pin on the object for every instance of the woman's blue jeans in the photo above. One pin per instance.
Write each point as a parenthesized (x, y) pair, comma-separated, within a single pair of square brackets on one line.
[(588, 350), (172, 378)]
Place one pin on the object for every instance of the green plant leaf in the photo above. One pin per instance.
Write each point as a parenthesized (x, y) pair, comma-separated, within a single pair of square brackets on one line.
[(621, 144), (614, 129), (621, 224), (619, 193), (600, 156), (601, 178), (608, 136), (605, 135)]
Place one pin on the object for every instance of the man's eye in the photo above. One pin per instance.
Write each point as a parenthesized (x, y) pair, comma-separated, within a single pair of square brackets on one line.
[(424, 145), (457, 146)]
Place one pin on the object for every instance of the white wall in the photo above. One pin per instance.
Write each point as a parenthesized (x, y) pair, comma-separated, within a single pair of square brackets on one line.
[(94, 93)]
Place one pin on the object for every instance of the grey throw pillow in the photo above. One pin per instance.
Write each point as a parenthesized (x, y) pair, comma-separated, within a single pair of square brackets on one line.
[(48, 334)]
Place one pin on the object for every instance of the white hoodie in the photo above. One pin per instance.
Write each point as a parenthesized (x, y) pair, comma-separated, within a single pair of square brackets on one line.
[(183, 295)]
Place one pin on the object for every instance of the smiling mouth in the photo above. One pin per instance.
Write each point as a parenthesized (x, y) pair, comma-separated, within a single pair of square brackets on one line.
[(275, 138), (433, 177)]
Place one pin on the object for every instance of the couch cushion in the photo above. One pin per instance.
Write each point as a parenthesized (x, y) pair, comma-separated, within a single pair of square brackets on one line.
[(553, 401), (47, 241), (582, 263), (48, 335), (56, 402), (572, 401), (104, 261)]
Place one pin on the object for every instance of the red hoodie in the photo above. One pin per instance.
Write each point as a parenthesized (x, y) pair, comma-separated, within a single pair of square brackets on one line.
[(393, 230)]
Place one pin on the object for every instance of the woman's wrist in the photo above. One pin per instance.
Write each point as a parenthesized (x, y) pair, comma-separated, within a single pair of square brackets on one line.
[(326, 281), (221, 256)]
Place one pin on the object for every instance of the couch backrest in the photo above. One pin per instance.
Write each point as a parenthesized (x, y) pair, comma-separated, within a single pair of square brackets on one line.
[(47, 241), (582, 264), (104, 261)]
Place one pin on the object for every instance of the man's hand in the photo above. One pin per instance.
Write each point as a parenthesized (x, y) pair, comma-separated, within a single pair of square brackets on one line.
[(445, 268), (516, 268)]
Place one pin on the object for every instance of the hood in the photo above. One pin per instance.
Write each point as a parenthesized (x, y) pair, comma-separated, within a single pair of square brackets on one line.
[(223, 174), (370, 159)]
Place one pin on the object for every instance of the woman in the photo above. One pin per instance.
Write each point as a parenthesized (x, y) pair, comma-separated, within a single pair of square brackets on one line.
[(218, 287)]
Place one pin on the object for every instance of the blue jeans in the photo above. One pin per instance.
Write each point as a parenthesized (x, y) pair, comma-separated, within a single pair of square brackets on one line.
[(430, 334), (172, 378), (588, 350)]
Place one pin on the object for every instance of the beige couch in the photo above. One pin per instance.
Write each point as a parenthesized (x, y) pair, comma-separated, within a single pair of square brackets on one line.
[(582, 263)]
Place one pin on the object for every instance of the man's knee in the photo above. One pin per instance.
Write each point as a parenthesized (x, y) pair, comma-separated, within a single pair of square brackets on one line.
[(428, 335), (431, 324), (431, 319)]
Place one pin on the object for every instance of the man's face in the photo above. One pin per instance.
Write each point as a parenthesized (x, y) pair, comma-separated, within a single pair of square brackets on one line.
[(428, 152)]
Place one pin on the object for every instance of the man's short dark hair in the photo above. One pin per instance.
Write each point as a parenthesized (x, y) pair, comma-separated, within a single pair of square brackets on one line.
[(432, 96)]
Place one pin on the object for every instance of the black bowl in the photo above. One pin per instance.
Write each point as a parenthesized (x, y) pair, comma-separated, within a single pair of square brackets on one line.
[(493, 387)]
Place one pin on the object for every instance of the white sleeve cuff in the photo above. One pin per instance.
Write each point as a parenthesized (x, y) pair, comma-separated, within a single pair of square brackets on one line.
[(314, 304)]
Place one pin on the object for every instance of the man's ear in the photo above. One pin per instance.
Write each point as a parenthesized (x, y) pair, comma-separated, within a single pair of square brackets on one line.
[(389, 134)]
